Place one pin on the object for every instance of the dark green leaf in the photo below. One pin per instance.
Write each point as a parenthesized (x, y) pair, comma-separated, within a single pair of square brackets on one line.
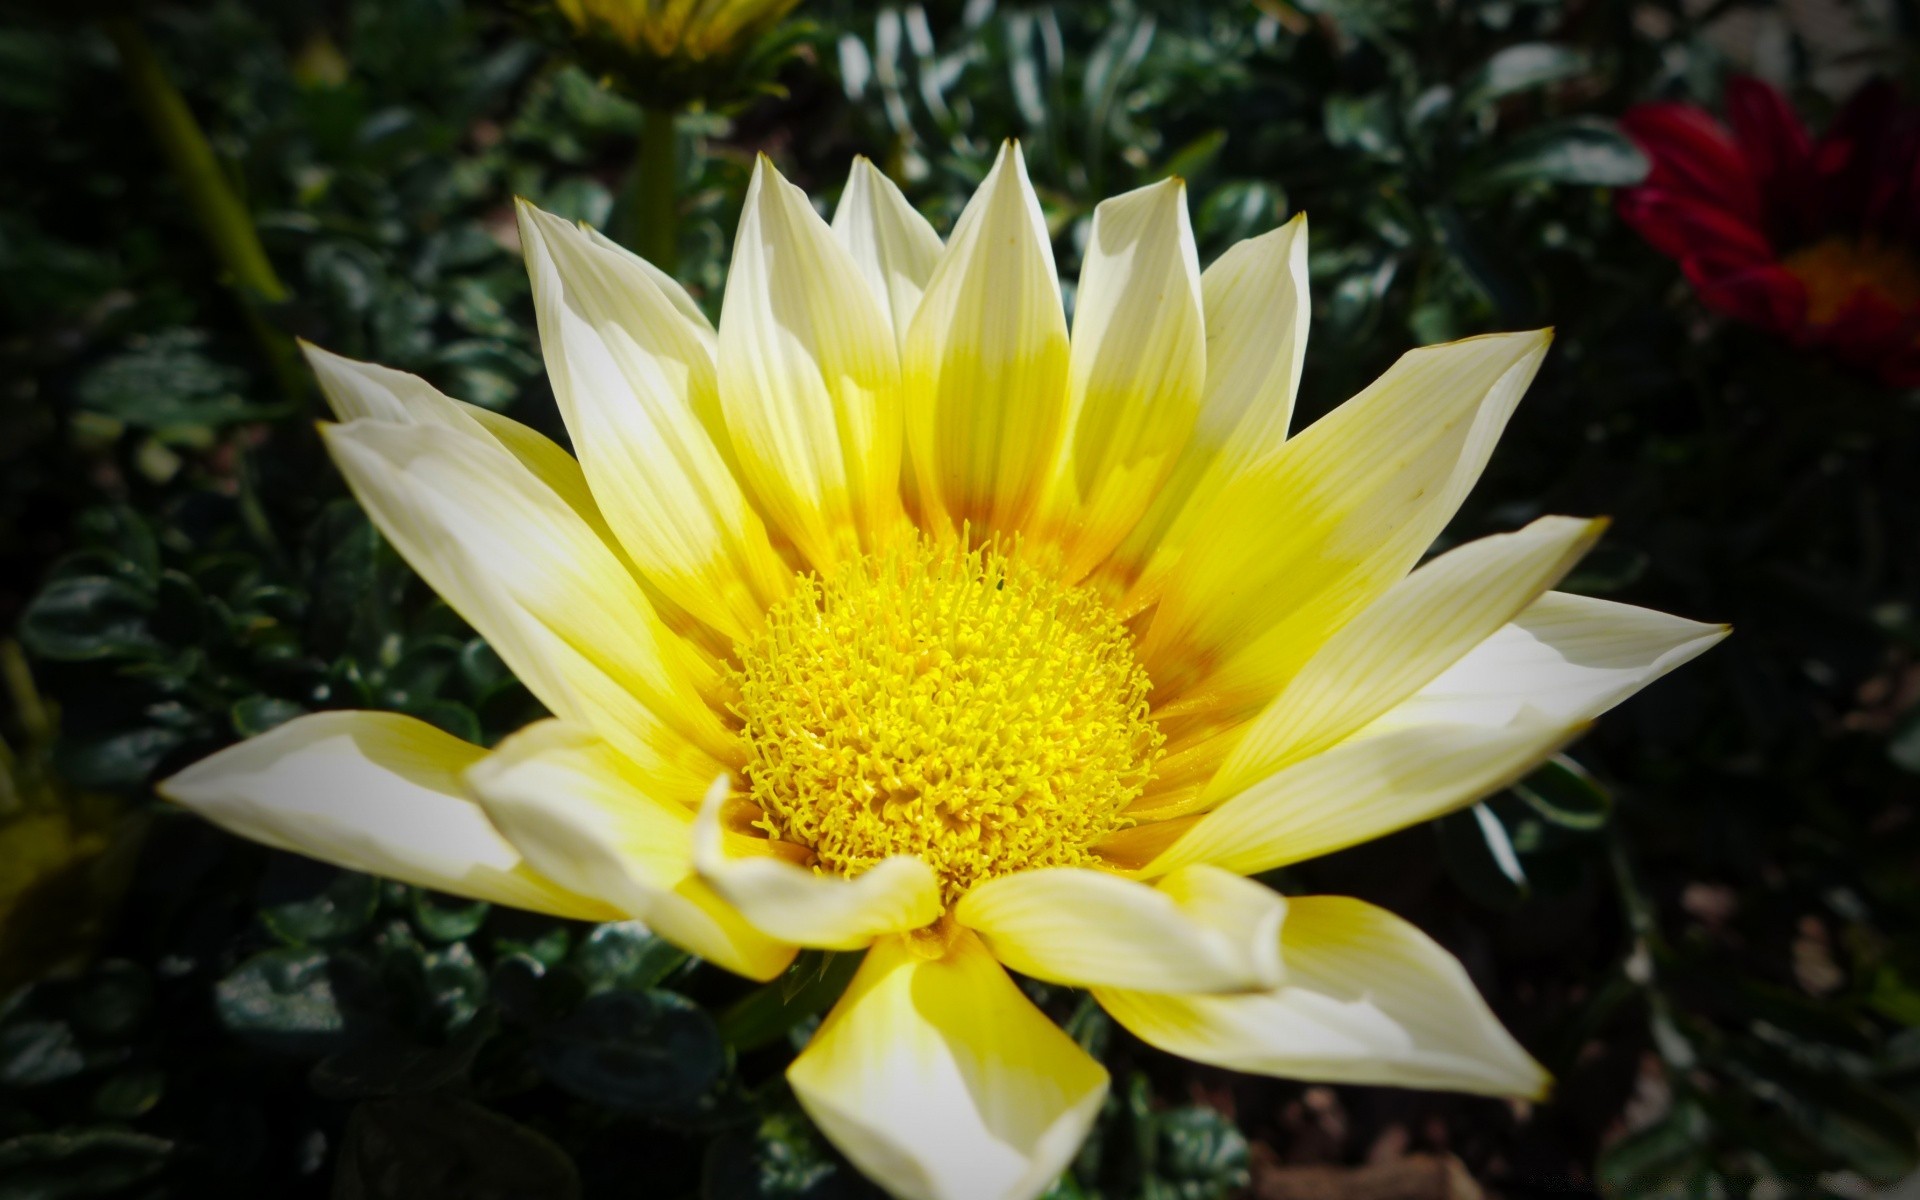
[(1584, 151), (336, 914), (129, 1094), (80, 1162), (1903, 746), (1199, 1154), (85, 617), (1563, 793), (1364, 124), (169, 380), (456, 985), (36, 1052), (767, 1013), (441, 920), (387, 1064), (121, 760), (252, 715), (436, 1148), (1480, 858), (1520, 68), (647, 1052), (113, 999), (783, 1158), (624, 954), (1651, 1158), (282, 998)]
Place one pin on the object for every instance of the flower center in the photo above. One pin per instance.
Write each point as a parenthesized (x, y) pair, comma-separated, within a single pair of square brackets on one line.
[(956, 705), (1836, 269)]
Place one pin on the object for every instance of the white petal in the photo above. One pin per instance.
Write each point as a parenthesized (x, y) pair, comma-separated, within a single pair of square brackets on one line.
[(619, 830), (942, 1082), (676, 295), (1419, 628), (357, 389), (796, 904), (1570, 657), (1200, 929), (893, 244), (633, 377), (1364, 788), (1368, 999), (520, 565), (809, 378), (375, 792)]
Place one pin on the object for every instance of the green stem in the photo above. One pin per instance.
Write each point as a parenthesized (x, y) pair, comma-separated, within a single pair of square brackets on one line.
[(651, 224), (224, 221), (764, 1015)]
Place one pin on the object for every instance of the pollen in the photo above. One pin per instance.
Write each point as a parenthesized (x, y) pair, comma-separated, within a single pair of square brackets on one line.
[(957, 705)]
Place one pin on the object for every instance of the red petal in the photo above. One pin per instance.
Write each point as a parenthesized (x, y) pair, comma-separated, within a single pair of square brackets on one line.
[(1766, 295), (1875, 336), (1868, 322), (1694, 154), (1776, 146), (1901, 368), (1682, 227), (1847, 156)]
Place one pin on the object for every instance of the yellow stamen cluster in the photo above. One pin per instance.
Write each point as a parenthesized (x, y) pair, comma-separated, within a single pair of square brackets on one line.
[(1837, 269), (957, 705)]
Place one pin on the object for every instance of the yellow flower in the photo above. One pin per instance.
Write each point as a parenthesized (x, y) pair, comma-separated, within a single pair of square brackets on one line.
[(695, 30), (892, 618)]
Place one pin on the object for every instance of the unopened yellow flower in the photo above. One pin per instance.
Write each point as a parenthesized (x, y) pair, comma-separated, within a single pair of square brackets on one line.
[(891, 618), (696, 30)]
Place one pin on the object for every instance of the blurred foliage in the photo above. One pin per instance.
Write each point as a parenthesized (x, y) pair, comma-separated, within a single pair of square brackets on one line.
[(1708, 926)]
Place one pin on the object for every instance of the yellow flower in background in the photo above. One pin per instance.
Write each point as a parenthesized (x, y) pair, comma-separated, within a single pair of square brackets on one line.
[(893, 617), (667, 29)]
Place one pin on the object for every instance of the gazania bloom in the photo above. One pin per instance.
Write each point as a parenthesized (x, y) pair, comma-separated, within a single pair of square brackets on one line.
[(1814, 239), (892, 619), (661, 35)]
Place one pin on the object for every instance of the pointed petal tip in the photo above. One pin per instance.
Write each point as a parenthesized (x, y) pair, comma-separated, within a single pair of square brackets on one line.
[(1543, 1085)]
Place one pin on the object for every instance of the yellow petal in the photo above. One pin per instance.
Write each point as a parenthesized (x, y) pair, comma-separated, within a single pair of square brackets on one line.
[(1137, 369), (809, 378), (1364, 788), (1368, 999), (1570, 657), (520, 565), (622, 831), (1295, 546), (985, 363), (1200, 930), (631, 374), (795, 904), (1419, 628), (893, 244), (942, 1082), (375, 792), (1256, 305)]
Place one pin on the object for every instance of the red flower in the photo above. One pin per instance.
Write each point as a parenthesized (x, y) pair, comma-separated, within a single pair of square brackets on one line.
[(1815, 239)]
